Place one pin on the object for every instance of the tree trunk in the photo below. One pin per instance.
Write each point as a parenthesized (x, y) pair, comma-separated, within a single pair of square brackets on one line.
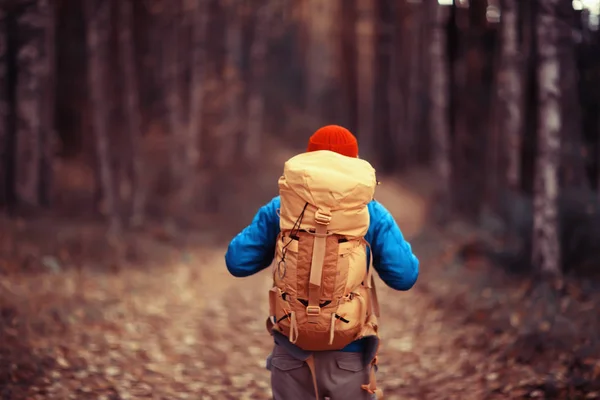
[(171, 83), (423, 139), (386, 87), (31, 72), (256, 101), (365, 38), (573, 173), (439, 106), (470, 140), (133, 112), (97, 15), (349, 64), (198, 57), (510, 94), (529, 48), (48, 133), (415, 79), (322, 56), (4, 110), (198, 11), (401, 57), (233, 88), (546, 248)]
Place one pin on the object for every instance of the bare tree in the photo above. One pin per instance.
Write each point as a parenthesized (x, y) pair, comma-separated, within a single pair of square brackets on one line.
[(133, 113), (386, 86), (233, 85), (4, 106), (439, 103), (416, 76), (365, 37), (510, 93), (572, 166), (198, 14), (171, 82), (546, 247), (256, 101), (349, 64), (198, 58), (48, 134), (97, 15), (321, 59), (29, 96)]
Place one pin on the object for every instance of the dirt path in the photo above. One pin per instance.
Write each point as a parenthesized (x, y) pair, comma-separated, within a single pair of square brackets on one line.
[(190, 330), (186, 329)]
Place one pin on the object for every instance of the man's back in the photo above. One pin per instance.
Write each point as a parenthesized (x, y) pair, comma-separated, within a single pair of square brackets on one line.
[(349, 373), (252, 250)]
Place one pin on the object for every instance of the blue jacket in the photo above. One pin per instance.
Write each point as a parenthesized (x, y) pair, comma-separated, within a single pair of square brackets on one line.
[(253, 249)]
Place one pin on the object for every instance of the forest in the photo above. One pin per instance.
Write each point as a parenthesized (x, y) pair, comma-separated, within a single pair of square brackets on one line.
[(138, 136)]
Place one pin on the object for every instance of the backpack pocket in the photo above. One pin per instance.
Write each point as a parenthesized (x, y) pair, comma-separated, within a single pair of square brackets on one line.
[(286, 262)]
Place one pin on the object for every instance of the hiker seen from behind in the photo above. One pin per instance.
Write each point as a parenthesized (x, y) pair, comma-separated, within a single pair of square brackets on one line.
[(323, 237)]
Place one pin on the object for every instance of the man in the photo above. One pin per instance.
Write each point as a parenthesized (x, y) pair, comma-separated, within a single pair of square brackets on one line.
[(340, 374)]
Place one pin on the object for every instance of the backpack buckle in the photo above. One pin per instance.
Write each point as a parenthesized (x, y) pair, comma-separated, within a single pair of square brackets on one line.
[(313, 310), (322, 218)]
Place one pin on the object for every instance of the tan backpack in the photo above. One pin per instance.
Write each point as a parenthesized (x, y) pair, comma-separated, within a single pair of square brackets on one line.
[(323, 298)]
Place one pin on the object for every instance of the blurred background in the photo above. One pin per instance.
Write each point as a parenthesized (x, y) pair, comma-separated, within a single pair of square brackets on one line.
[(138, 136)]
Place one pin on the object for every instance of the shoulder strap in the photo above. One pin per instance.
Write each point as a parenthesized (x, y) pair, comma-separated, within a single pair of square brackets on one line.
[(370, 283), (374, 300), (316, 268)]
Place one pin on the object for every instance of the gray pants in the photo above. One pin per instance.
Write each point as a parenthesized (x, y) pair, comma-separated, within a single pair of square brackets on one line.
[(339, 376)]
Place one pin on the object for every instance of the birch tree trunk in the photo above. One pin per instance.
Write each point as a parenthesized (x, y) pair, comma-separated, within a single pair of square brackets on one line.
[(4, 110), (97, 15), (546, 246), (439, 105), (510, 94), (365, 38), (133, 112), (256, 101)]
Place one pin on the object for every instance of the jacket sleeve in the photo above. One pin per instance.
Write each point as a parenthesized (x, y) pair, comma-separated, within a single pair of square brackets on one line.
[(252, 250), (393, 258)]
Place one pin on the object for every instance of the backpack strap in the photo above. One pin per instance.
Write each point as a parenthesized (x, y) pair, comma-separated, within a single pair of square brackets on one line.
[(310, 361), (299, 354), (313, 310), (369, 282), (371, 387), (374, 300)]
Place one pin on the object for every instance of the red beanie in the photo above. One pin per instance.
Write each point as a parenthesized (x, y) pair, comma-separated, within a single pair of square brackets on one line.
[(334, 138)]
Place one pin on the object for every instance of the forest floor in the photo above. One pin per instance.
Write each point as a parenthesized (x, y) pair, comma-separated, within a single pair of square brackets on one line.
[(169, 322)]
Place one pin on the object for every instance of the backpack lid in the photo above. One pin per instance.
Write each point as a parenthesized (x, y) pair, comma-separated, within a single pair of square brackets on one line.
[(331, 183)]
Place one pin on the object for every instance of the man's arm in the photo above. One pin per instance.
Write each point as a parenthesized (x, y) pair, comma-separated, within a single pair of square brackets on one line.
[(393, 258), (253, 249)]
